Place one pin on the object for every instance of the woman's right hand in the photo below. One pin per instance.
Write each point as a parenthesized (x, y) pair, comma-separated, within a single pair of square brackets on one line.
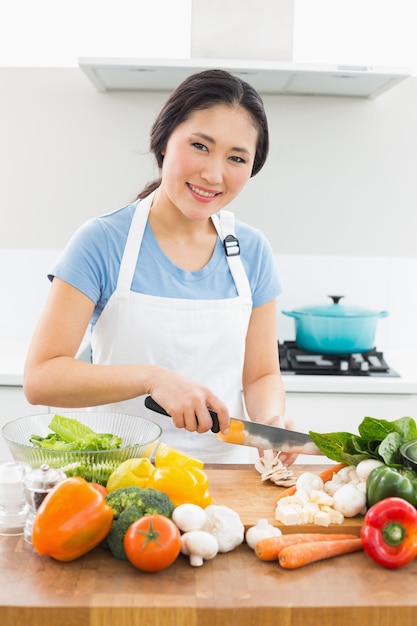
[(187, 402)]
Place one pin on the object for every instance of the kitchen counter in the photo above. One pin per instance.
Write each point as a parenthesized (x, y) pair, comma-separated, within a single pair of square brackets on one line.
[(401, 361), (234, 589)]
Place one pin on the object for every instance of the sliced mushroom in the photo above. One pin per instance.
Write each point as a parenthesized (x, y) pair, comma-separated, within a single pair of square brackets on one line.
[(271, 468)]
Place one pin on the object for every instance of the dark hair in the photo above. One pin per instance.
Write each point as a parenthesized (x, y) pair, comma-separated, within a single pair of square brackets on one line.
[(202, 91)]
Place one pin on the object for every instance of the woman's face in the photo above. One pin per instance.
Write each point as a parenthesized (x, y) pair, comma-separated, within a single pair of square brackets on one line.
[(208, 160)]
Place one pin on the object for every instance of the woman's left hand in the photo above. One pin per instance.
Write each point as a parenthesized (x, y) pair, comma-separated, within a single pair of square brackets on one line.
[(279, 422)]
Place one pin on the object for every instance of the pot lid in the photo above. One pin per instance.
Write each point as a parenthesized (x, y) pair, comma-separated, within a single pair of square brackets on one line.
[(336, 310)]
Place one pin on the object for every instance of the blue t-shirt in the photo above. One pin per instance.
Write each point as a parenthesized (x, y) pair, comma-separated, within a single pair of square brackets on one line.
[(92, 258)]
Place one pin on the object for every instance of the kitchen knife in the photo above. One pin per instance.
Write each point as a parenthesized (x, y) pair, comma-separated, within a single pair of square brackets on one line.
[(252, 434)]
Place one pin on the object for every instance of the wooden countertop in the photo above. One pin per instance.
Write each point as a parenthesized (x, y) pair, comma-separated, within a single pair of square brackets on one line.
[(234, 589)]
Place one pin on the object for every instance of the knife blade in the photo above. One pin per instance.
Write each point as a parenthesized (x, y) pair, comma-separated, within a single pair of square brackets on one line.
[(254, 435)]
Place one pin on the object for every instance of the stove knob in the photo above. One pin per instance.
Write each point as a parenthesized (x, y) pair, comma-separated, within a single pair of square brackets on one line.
[(344, 366)]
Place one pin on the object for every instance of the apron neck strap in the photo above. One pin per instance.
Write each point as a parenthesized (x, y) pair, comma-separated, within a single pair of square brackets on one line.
[(224, 223), (131, 251)]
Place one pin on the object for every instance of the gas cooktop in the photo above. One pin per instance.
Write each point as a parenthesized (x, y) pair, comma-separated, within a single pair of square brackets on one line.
[(293, 360)]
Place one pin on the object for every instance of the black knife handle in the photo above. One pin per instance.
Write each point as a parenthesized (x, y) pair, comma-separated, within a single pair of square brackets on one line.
[(154, 406)]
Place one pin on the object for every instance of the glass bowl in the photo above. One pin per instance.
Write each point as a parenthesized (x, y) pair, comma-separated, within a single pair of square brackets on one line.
[(408, 451), (139, 435)]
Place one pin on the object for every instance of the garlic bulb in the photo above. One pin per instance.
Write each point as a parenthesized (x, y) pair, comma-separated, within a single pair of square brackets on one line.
[(262, 530)]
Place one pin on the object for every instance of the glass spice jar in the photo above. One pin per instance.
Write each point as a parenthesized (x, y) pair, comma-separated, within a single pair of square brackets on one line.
[(13, 506), (38, 483)]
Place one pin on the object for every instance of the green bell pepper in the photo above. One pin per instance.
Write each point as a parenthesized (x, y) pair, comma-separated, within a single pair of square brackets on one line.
[(387, 482)]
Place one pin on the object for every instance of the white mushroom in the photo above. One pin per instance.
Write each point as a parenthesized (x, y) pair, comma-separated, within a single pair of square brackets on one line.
[(365, 467), (308, 482), (349, 500), (199, 545), (189, 516)]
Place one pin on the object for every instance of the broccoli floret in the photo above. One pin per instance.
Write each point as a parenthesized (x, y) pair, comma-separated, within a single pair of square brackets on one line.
[(155, 501), (122, 498), (149, 499), (114, 540)]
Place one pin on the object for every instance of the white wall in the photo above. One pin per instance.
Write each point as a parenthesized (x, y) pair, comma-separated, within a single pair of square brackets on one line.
[(378, 283), (340, 179)]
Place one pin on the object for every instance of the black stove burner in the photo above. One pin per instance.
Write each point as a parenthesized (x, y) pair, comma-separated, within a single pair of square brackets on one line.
[(296, 361)]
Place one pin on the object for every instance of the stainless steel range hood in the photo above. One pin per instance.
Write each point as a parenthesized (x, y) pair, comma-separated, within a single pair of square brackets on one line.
[(268, 77)]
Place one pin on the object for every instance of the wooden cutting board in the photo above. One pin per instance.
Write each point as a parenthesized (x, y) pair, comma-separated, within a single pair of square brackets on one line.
[(241, 488)]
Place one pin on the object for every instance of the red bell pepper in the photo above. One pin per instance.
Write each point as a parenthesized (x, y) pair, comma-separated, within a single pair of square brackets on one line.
[(389, 532)]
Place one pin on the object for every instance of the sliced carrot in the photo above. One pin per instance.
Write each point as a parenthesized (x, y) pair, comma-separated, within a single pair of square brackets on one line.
[(299, 555), (329, 472), (269, 548), (236, 433)]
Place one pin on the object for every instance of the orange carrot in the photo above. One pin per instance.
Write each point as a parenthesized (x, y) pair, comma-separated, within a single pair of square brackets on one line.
[(298, 555), (328, 473), (288, 491), (269, 548)]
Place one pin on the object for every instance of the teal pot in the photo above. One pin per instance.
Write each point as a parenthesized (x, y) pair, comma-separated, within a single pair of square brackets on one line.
[(335, 328)]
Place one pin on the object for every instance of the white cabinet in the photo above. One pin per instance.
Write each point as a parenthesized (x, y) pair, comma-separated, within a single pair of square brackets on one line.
[(13, 404), (334, 412)]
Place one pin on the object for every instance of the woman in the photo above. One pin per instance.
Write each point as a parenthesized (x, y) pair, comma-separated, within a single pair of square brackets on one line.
[(176, 311)]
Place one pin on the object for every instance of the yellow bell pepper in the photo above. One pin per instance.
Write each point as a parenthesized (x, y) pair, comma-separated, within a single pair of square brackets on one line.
[(182, 485), (131, 473)]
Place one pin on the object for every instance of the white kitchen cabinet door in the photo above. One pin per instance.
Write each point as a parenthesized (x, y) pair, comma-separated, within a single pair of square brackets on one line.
[(13, 404)]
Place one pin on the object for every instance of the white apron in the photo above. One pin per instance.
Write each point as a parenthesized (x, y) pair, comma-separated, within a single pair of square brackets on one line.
[(201, 339)]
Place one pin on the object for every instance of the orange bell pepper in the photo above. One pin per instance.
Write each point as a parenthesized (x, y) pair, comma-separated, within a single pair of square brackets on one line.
[(72, 520), (182, 484)]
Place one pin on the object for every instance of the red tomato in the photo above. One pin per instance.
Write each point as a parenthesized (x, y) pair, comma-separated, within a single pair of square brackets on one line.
[(152, 543), (100, 488)]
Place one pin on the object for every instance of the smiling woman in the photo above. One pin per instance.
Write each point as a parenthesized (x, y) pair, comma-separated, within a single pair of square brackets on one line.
[(174, 311)]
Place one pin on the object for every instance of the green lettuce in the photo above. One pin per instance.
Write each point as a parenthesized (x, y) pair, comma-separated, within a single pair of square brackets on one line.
[(70, 434)]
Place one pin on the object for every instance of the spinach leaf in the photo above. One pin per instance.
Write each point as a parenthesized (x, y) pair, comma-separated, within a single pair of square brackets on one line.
[(378, 439), (406, 427), (372, 428), (332, 445), (389, 449)]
